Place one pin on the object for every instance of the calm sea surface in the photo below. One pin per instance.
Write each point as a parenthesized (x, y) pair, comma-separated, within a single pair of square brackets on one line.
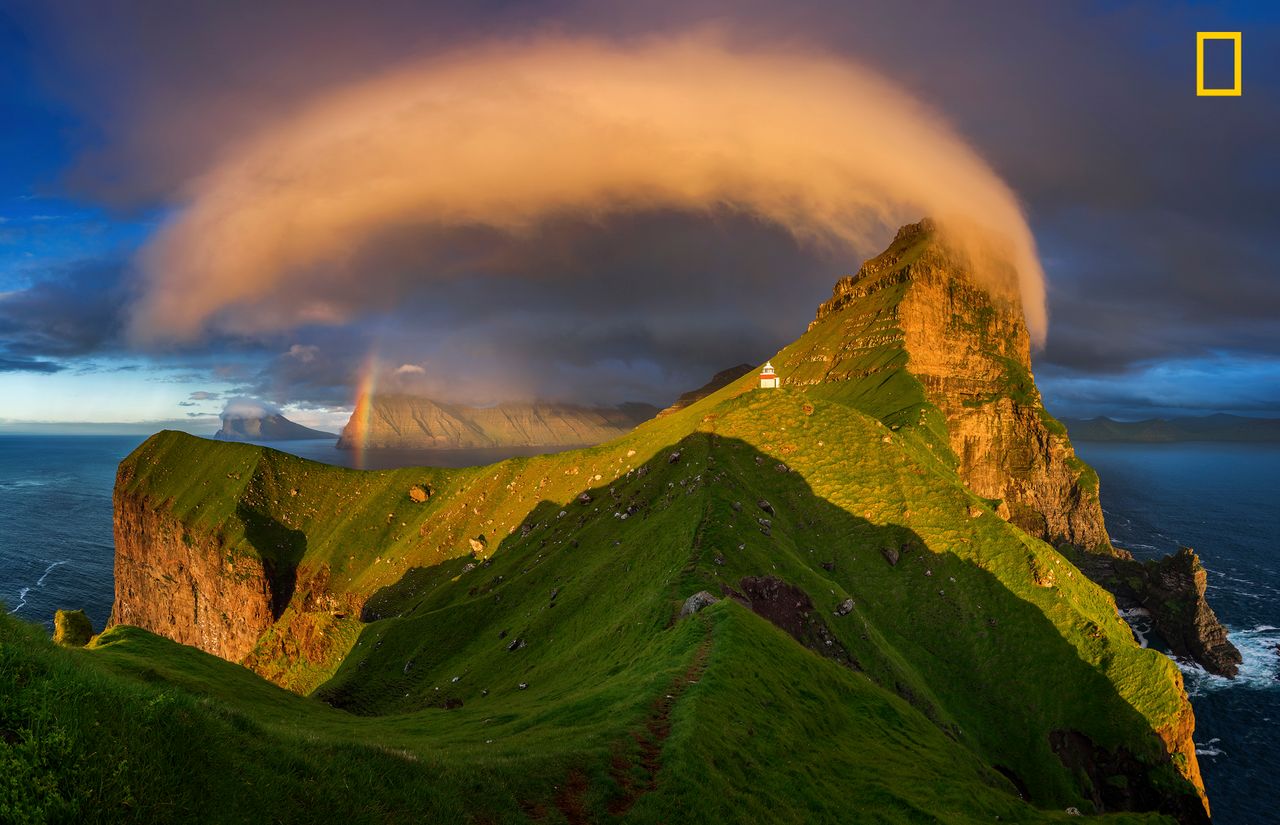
[(56, 551)]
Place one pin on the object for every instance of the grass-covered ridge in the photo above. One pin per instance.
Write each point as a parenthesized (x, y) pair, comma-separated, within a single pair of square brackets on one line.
[(965, 664)]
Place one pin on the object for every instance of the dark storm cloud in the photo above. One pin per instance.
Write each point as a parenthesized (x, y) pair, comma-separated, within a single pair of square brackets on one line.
[(72, 313), (1154, 209)]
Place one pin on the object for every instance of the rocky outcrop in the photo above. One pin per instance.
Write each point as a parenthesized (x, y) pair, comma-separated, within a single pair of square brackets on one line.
[(791, 610), (415, 423), (1172, 590), (718, 381), (967, 345), (71, 628), (1119, 781), (186, 586)]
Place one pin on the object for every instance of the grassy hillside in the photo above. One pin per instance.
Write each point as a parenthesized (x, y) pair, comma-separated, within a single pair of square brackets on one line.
[(504, 643), (952, 666)]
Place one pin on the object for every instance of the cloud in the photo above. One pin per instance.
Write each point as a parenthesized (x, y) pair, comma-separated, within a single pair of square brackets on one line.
[(8, 364), (509, 135), (410, 369), (75, 310), (204, 395), (243, 407), (303, 353)]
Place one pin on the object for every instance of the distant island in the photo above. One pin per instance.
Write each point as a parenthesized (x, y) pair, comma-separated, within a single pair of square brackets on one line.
[(408, 422), (1168, 430), (267, 426)]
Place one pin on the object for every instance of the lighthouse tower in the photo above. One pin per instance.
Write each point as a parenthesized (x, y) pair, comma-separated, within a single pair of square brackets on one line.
[(769, 380)]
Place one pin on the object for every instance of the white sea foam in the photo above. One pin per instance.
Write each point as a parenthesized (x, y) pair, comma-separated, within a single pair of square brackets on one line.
[(1210, 748), (1259, 668), (48, 570), (23, 483), (1139, 621), (22, 599)]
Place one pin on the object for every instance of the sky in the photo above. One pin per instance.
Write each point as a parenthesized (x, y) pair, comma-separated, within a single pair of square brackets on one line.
[(603, 203)]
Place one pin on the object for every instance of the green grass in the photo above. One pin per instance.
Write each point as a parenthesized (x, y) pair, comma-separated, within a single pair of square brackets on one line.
[(944, 695), (406, 703)]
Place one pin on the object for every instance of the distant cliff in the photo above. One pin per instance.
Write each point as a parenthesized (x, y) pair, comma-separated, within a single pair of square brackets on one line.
[(266, 427), (412, 422), (1167, 430)]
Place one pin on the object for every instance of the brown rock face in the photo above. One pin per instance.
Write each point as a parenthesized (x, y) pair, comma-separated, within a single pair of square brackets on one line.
[(184, 586), (414, 423), (969, 349), (1174, 593)]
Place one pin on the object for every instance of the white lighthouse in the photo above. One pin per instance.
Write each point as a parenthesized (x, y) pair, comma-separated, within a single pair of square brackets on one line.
[(768, 379)]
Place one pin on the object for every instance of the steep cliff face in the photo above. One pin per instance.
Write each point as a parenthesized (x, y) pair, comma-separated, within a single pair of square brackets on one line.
[(411, 422), (183, 584), (968, 348)]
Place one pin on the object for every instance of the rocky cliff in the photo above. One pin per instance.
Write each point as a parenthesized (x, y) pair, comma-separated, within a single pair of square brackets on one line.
[(183, 584), (1172, 591), (412, 422), (917, 307)]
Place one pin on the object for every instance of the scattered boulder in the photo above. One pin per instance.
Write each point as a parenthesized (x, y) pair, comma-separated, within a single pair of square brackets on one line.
[(585, 498), (974, 511), (697, 602), (891, 555), (72, 628), (523, 686), (516, 644), (674, 458), (1002, 510), (737, 506), (478, 544), (844, 608), (718, 560), (828, 566), (419, 493), (766, 506), (1042, 575)]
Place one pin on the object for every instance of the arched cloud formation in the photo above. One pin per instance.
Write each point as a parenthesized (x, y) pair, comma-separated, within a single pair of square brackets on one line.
[(510, 135)]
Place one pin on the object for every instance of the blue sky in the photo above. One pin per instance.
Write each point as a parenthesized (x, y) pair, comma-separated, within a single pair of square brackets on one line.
[(1154, 210)]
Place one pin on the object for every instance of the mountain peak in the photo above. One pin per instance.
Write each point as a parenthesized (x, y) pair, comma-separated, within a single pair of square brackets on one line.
[(920, 320)]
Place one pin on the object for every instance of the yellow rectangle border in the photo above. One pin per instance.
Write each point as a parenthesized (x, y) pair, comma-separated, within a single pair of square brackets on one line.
[(1201, 91)]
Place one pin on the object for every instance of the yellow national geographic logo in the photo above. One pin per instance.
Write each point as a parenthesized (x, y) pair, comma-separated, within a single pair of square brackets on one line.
[(1201, 91)]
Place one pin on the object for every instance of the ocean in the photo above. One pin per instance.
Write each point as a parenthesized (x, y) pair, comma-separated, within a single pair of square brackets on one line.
[(1221, 499)]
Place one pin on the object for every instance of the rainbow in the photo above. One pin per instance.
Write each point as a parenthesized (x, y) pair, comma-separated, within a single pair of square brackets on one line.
[(365, 385)]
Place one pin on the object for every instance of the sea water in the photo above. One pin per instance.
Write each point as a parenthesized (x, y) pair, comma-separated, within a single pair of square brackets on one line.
[(1223, 500), (56, 552)]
